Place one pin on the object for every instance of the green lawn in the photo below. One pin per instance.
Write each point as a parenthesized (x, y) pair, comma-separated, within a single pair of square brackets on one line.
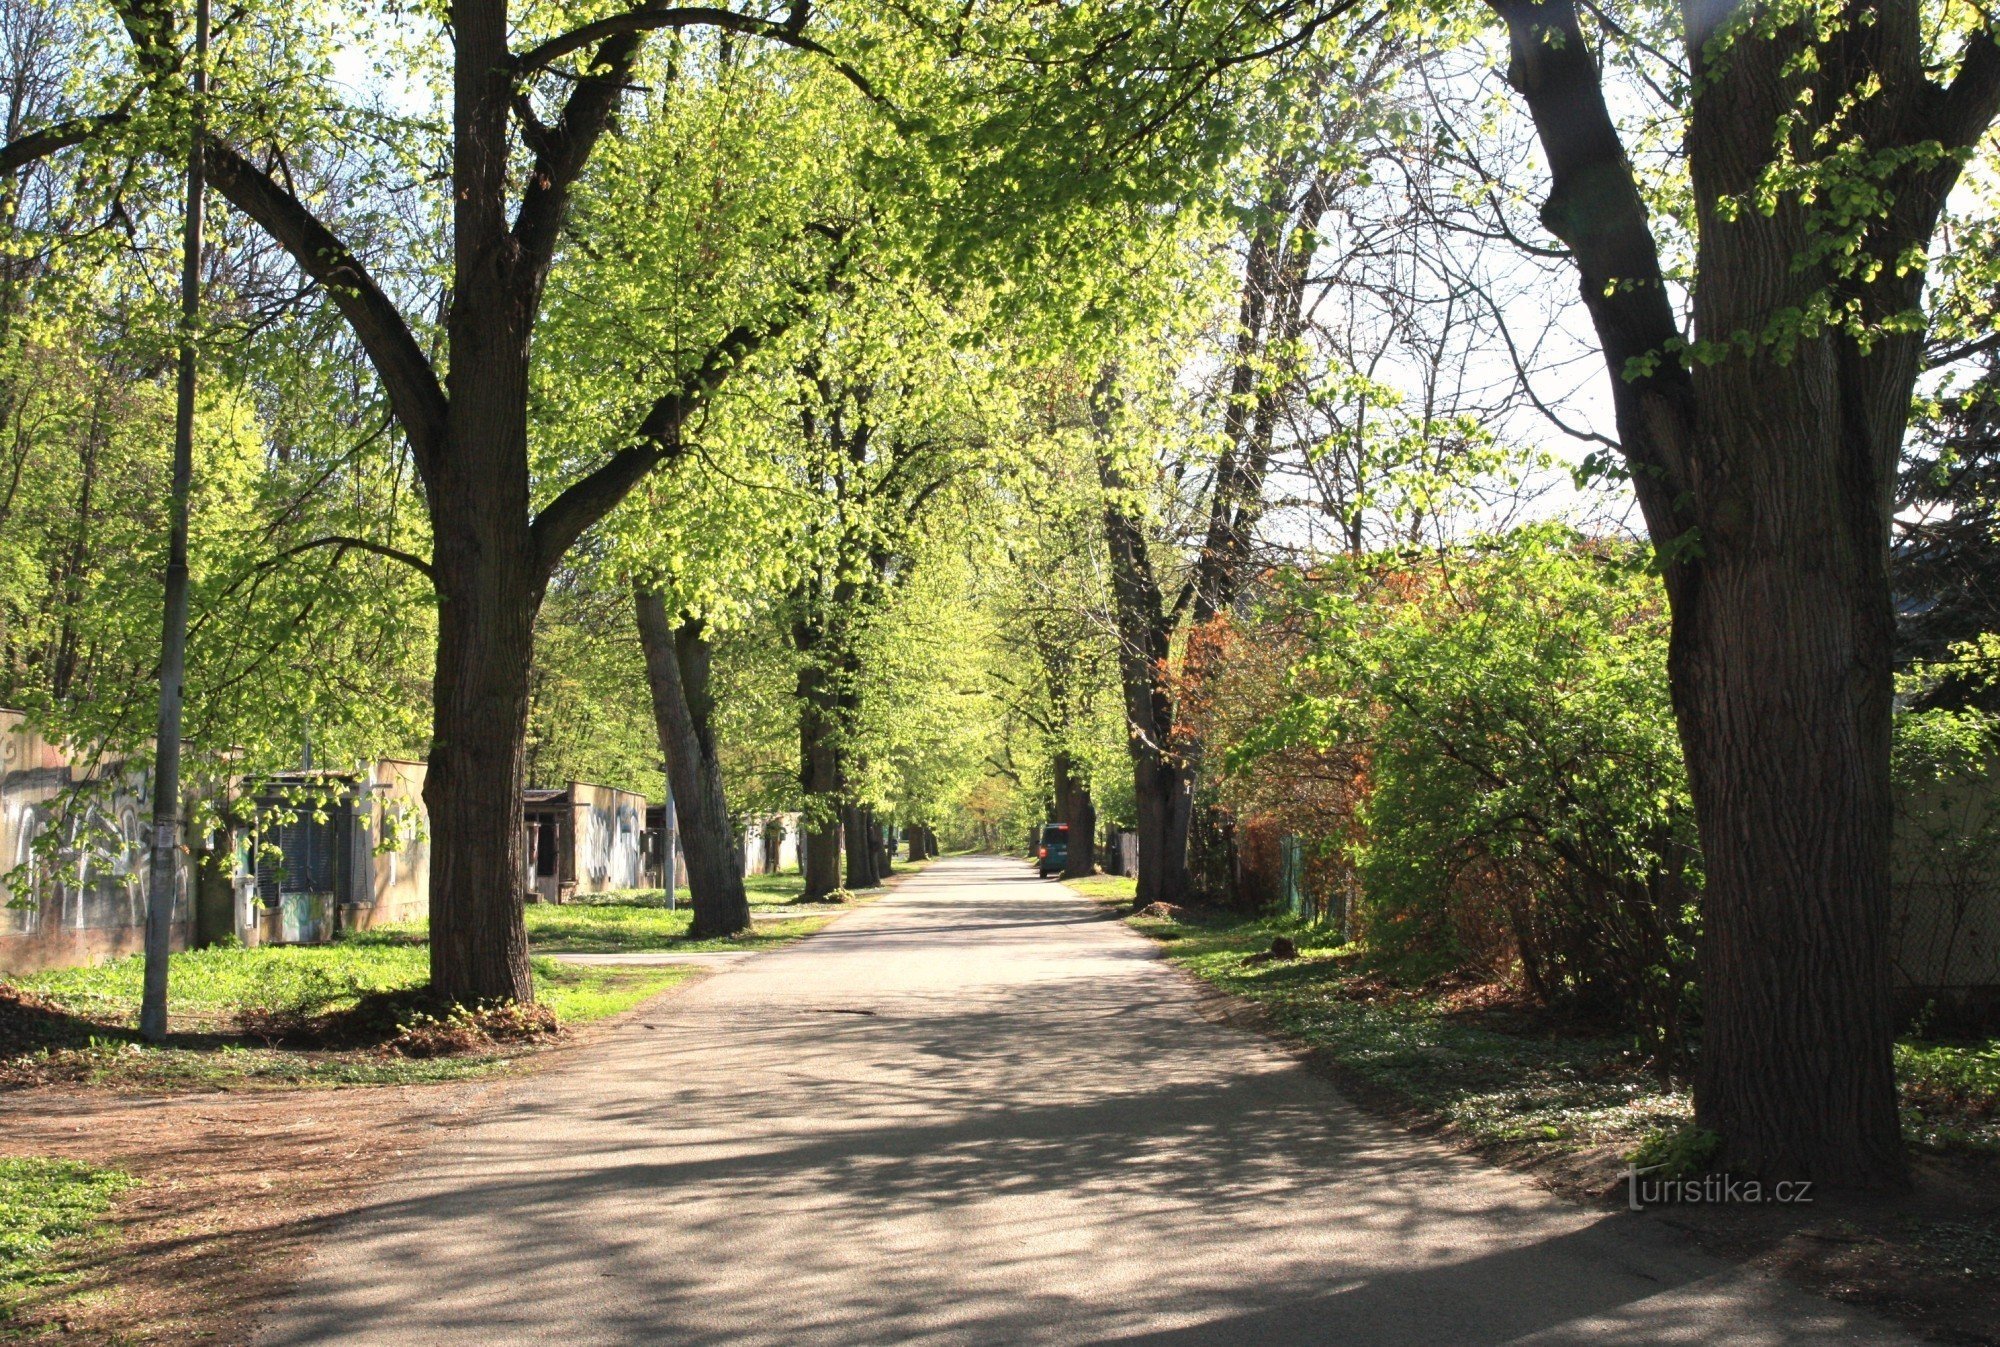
[(215, 994), (42, 1204), (765, 891), (209, 988), (638, 920), (1107, 888)]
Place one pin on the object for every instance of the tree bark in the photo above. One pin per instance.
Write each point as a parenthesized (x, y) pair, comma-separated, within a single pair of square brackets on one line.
[(885, 856), (472, 792), (819, 780), (860, 848), (677, 670), (1163, 760), (1074, 807)]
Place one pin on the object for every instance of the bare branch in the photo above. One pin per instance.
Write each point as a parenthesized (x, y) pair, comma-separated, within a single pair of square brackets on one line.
[(652, 17), (346, 544), (406, 373), (1967, 108)]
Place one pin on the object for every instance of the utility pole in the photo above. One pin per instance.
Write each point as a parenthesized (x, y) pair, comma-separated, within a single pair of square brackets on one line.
[(163, 880)]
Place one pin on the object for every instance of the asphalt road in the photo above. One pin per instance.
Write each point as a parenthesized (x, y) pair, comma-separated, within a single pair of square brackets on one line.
[(977, 1112)]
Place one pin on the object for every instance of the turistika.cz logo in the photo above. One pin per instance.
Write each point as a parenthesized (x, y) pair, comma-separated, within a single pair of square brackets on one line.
[(1707, 1190)]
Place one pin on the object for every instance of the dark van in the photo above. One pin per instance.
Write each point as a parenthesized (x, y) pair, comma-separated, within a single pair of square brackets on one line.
[(1052, 857)]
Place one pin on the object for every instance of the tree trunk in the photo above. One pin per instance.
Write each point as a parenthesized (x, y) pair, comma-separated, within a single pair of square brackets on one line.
[(677, 669), (819, 780), (1074, 807), (1781, 683), (1164, 796), (1162, 762), (487, 599), (1765, 471), (878, 836), (860, 849)]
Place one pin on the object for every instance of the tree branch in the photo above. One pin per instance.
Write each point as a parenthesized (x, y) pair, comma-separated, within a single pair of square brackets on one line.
[(351, 544), (406, 373), (653, 17), (1969, 105), (25, 150), (595, 495), (561, 151), (1594, 206)]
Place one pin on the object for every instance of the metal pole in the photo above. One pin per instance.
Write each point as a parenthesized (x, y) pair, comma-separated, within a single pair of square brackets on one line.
[(163, 881)]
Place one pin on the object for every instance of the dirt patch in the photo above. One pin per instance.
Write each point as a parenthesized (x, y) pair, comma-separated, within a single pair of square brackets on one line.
[(232, 1188), (412, 1021), (1928, 1257), (235, 1184), (30, 1024)]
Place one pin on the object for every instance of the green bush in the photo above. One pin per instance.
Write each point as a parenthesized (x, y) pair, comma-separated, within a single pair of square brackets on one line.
[(1525, 804)]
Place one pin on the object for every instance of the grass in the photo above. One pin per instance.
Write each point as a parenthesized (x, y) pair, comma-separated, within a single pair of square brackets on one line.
[(783, 889), (217, 995), (1951, 1093), (1107, 888), (638, 921), (210, 988), (213, 992), (1499, 1077), (44, 1203), (1499, 1071)]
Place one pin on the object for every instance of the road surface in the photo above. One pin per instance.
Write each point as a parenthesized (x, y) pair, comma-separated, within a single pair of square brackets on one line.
[(978, 1112)]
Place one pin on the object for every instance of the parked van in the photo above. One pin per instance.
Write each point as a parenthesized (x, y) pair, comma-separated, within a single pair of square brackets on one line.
[(1052, 856)]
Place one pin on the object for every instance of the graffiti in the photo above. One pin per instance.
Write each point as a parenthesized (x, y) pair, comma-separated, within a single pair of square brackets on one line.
[(75, 839), (608, 853)]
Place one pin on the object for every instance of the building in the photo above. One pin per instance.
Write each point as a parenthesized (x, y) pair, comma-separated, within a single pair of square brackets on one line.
[(583, 838), (324, 852), (79, 898), (771, 845)]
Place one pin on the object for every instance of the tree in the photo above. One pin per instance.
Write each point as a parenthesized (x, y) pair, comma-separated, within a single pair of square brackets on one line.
[(1762, 441), (525, 124), (678, 670), (891, 419), (467, 422), (1946, 562), (1310, 145)]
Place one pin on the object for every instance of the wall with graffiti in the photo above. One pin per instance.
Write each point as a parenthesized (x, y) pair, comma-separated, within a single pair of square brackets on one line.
[(609, 850), (73, 848)]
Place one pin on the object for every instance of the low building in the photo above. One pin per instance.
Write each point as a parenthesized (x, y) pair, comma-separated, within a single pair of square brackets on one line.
[(326, 852), (583, 838), (79, 899), (771, 845)]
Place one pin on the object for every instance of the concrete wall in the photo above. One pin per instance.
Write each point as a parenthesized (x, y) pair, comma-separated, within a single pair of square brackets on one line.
[(605, 837), (1945, 904), (401, 876), (771, 845), (90, 904)]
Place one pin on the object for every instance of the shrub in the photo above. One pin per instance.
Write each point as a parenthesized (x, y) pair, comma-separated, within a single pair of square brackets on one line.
[(1677, 1153), (1526, 811)]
